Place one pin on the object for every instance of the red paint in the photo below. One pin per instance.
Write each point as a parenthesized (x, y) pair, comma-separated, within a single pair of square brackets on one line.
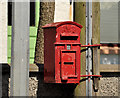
[(57, 24), (62, 52), (60, 64), (95, 45), (91, 76)]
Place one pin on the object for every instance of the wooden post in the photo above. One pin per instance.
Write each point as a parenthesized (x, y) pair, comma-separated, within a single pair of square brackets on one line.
[(96, 40), (80, 17), (20, 49)]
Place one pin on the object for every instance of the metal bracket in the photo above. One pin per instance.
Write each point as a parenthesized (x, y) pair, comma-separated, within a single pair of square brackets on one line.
[(95, 45), (91, 76), (95, 79), (95, 76)]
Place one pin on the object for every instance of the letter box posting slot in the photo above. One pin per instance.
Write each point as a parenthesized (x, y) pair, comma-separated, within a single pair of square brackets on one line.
[(62, 52)]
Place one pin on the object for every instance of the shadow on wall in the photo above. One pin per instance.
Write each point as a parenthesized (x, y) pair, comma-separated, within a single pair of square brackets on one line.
[(5, 79), (37, 87), (52, 89)]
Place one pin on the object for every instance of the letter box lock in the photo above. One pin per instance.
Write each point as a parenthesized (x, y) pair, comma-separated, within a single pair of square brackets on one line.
[(68, 47), (62, 52)]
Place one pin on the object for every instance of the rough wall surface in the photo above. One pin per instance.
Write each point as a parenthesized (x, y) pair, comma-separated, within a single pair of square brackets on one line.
[(33, 85), (48, 89), (46, 16), (37, 87), (109, 84)]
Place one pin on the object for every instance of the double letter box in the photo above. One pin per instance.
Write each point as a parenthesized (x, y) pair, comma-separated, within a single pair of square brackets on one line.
[(62, 52)]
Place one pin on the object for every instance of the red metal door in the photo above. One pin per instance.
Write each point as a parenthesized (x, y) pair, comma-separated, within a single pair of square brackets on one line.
[(68, 63)]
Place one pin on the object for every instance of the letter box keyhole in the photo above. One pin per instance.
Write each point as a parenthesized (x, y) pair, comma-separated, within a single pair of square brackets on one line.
[(68, 47)]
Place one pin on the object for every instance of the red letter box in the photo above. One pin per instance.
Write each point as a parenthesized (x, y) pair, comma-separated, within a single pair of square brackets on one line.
[(62, 52)]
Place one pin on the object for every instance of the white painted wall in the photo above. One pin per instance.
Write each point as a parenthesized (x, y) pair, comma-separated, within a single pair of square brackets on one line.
[(3, 31), (62, 10)]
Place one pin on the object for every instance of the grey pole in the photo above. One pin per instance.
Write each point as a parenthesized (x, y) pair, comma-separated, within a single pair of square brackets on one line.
[(20, 49), (89, 51)]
